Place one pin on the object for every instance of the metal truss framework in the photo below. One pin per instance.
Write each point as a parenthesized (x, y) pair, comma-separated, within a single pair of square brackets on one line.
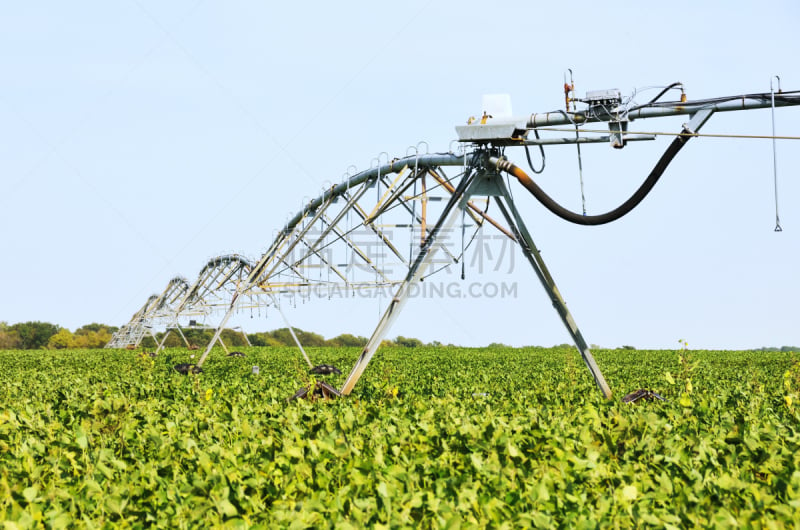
[(391, 226)]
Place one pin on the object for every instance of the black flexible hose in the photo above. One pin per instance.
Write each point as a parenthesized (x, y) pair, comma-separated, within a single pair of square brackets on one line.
[(652, 101), (594, 220)]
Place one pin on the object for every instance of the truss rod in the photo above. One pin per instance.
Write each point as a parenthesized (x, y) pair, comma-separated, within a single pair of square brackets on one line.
[(332, 223), (419, 219)]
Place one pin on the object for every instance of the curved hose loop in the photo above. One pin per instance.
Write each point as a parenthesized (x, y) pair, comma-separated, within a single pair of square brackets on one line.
[(427, 147), (594, 220), (541, 151)]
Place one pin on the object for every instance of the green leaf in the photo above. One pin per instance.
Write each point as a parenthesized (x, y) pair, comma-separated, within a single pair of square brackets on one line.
[(81, 439), (382, 490), (629, 492), (30, 493), (226, 508)]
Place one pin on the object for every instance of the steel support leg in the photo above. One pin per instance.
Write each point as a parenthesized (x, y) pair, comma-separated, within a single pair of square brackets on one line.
[(155, 338), (166, 334), (291, 331), (180, 331), (415, 273), (217, 334), (532, 254), (163, 340), (139, 335), (246, 339)]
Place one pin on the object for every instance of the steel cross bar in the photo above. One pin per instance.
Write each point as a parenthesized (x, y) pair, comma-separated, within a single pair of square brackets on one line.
[(388, 193), (380, 208), (318, 212), (322, 259), (386, 241), (419, 219), (333, 222), (339, 236)]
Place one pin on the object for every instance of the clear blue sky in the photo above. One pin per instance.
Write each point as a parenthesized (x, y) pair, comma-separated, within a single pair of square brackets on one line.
[(140, 138)]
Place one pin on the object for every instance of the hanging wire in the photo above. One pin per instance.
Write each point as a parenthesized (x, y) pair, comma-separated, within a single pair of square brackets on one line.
[(580, 169), (413, 206), (570, 88), (578, 145), (775, 151), (463, 233)]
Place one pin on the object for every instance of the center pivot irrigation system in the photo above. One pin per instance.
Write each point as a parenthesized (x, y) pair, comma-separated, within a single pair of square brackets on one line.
[(388, 228)]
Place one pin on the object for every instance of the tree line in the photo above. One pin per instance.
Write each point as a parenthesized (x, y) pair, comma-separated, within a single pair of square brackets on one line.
[(44, 335), (279, 337)]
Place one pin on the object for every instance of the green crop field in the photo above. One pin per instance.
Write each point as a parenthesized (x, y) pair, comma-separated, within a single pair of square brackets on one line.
[(431, 437)]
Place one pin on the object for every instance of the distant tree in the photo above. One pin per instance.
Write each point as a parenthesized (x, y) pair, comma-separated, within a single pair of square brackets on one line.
[(198, 337), (264, 338), (9, 338), (97, 328), (275, 343), (308, 338), (257, 339), (408, 342), (232, 338), (498, 345), (61, 340), (174, 339), (91, 339), (283, 337), (346, 340), (34, 335), (148, 343), (625, 347)]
